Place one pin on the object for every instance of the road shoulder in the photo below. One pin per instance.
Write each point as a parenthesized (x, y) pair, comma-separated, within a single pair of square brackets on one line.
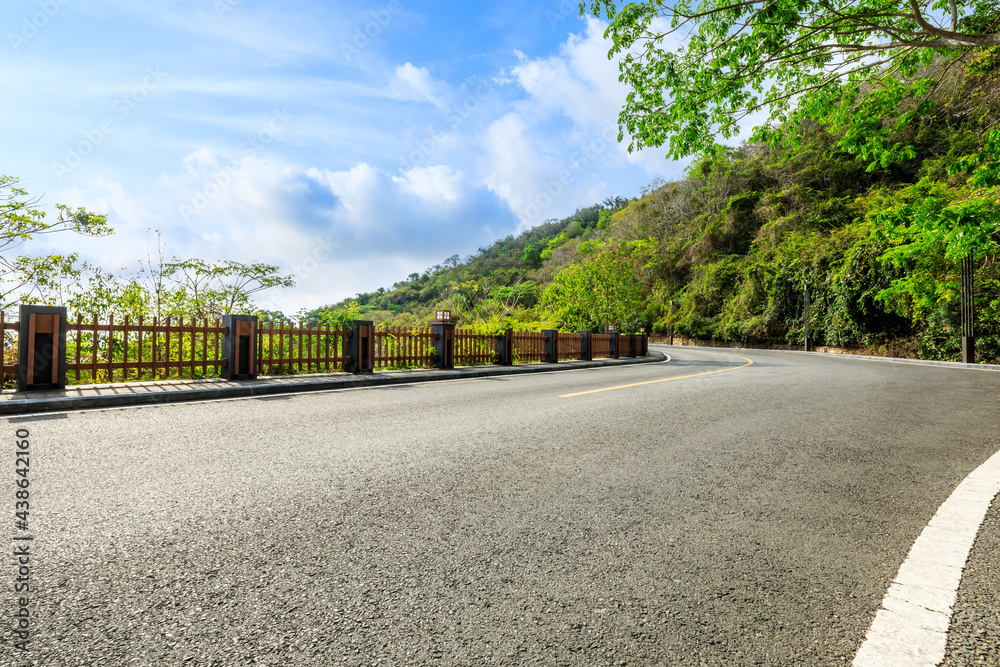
[(90, 397)]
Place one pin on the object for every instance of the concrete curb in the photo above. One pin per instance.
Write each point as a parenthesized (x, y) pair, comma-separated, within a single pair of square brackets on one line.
[(269, 387), (890, 360)]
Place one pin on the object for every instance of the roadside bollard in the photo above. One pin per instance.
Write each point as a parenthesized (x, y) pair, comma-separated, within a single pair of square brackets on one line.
[(444, 342)]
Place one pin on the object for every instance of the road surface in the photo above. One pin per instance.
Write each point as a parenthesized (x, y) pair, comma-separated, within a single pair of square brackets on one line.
[(710, 512)]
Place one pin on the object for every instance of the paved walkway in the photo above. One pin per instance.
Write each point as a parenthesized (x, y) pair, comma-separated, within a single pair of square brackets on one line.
[(92, 396)]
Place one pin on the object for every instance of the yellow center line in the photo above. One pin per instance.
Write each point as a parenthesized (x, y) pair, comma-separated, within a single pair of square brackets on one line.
[(749, 362)]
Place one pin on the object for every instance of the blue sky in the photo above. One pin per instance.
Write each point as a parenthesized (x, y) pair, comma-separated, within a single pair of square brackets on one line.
[(349, 143)]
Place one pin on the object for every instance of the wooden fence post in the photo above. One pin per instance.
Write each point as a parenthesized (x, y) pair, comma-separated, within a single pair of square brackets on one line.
[(444, 344), (41, 348), (362, 347), (239, 347), (586, 354), (551, 345), (505, 348)]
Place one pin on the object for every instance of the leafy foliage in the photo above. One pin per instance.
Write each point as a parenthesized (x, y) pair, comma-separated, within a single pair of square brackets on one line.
[(601, 291), (494, 288), (863, 67), (212, 289), (20, 222)]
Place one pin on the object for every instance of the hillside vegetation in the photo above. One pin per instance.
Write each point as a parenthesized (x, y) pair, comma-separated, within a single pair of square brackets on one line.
[(499, 285), (736, 242)]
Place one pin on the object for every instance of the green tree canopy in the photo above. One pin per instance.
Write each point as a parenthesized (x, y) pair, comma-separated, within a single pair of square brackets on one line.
[(697, 70), (212, 289), (21, 278), (608, 288)]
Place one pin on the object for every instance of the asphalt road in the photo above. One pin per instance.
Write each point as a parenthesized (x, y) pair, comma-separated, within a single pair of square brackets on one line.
[(750, 516)]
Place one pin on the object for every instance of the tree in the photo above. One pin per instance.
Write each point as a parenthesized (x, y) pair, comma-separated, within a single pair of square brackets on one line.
[(153, 275), (487, 306), (105, 295), (532, 257), (51, 280), (20, 222), (606, 289), (276, 316), (697, 70), (213, 289), (615, 203), (333, 316)]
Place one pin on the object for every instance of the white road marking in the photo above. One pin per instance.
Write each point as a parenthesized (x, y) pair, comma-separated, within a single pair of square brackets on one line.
[(911, 628)]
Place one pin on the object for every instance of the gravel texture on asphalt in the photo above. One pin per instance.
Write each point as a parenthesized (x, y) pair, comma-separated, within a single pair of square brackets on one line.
[(974, 635), (752, 517)]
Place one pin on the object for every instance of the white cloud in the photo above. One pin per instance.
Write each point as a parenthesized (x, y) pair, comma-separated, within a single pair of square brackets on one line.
[(515, 167), (278, 32), (581, 83), (334, 230), (420, 212), (439, 185), (543, 177), (545, 167), (415, 84)]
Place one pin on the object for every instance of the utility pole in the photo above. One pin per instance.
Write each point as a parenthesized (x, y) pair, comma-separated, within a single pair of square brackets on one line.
[(968, 311), (670, 318), (805, 320)]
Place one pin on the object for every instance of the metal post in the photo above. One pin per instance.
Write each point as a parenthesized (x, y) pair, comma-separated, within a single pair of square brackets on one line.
[(805, 321), (670, 319), (968, 307), (505, 348), (585, 352)]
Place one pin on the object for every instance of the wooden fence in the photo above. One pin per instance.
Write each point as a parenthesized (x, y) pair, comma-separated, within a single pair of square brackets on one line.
[(529, 346), (600, 346), (404, 347), (141, 350), (472, 349), (569, 346), (174, 349), (285, 348), (624, 344)]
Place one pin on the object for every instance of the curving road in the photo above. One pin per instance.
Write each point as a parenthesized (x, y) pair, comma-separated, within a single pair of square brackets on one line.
[(711, 512)]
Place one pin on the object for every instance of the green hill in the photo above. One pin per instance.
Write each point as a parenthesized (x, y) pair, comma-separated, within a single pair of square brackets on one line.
[(736, 242)]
